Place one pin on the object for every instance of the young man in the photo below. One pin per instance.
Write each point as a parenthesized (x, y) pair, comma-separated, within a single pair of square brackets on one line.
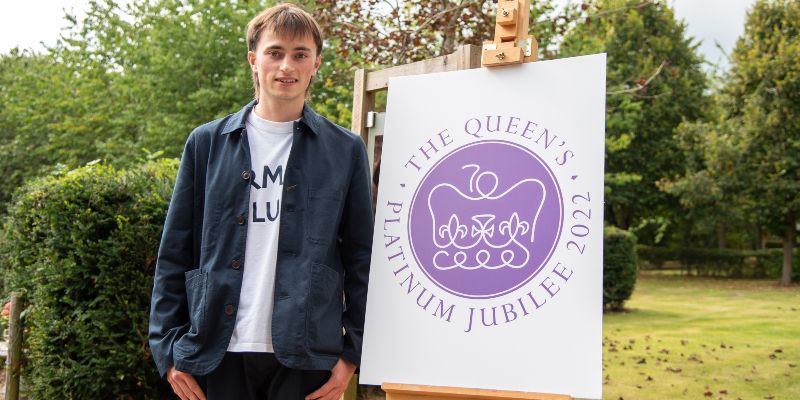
[(261, 280)]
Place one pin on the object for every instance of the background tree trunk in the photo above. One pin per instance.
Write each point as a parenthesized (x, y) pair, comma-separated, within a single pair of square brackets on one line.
[(788, 247)]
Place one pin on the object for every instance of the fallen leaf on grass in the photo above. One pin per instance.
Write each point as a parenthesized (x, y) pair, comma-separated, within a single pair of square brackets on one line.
[(675, 370), (708, 394), (642, 361), (792, 365), (684, 342), (778, 351), (772, 356), (649, 378), (723, 391), (695, 358)]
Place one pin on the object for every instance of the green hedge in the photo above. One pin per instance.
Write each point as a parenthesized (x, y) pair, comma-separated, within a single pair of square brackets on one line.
[(619, 267), (82, 244), (719, 262)]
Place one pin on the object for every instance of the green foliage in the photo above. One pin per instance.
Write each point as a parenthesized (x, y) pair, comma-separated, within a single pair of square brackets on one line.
[(764, 90), (619, 267), (34, 93), (654, 82), (157, 70), (711, 189), (727, 263), (83, 245)]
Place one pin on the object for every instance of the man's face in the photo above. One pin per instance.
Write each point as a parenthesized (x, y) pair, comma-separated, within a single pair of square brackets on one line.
[(284, 66)]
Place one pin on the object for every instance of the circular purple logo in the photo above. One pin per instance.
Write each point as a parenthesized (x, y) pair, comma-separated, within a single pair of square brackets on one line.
[(485, 219)]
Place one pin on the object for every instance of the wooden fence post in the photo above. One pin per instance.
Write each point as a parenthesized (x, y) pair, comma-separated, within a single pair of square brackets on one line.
[(14, 358)]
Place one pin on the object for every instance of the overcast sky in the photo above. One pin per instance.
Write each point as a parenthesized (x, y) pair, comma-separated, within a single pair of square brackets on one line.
[(27, 23)]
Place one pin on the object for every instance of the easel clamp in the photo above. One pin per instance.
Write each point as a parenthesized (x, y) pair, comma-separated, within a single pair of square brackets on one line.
[(512, 44)]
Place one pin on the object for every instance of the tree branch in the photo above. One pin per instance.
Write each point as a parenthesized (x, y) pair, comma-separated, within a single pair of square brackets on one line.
[(641, 86)]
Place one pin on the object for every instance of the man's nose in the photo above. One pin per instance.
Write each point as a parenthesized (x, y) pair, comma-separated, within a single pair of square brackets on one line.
[(286, 64)]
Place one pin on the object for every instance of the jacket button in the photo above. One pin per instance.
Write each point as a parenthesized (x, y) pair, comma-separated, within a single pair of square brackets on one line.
[(229, 309), (240, 219), (235, 264), (246, 175)]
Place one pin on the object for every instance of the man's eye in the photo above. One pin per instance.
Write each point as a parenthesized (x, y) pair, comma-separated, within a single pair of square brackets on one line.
[(301, 55), (274, 53)]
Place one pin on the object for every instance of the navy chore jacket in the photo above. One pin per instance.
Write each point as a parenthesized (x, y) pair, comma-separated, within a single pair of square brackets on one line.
[(324, 248)]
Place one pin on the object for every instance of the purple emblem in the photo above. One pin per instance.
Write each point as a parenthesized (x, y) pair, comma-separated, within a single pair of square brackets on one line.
[(485, 219)]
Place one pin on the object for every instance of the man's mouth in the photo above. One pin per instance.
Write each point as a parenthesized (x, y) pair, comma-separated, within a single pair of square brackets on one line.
[(286, 80)]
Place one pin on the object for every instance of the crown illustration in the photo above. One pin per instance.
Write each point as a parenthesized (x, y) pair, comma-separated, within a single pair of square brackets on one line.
[(483, 227)]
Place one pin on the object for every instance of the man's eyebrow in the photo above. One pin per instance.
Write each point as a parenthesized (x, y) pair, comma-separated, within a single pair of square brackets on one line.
[(279, 47)]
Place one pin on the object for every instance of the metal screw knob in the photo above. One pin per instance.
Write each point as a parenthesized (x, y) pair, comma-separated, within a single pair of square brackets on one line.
[(504, 12), (501, 55)]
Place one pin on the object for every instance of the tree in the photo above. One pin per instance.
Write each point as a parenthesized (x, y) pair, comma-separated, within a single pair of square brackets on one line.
[(654, 82), (711, 190), (131, 81), (36, 98), (391, 32), (764, 91)]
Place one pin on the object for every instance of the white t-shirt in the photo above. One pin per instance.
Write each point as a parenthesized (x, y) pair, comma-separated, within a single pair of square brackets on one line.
[(270, 143)]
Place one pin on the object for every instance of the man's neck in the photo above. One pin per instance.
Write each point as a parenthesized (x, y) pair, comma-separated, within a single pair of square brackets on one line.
[(279, 112)]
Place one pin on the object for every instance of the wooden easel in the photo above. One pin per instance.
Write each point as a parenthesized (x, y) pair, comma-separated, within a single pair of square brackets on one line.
[(512, 45), (396, 391)]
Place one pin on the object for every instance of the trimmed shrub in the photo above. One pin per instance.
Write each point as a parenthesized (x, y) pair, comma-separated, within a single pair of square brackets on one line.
[(619, 267), (729, 263), (83, 245)]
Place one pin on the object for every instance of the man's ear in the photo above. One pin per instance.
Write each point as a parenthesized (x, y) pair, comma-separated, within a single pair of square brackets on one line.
[(317, 63), (251, 59)]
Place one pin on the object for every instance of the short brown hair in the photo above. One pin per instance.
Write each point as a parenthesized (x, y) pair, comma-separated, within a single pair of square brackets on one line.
[(282, 19)]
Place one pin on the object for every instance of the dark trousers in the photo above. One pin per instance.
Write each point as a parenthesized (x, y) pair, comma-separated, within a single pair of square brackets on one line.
[(259, 376)]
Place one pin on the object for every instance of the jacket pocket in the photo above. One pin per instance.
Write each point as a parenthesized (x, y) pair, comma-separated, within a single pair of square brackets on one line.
[(324, 208), (324, 315), (196, 294)]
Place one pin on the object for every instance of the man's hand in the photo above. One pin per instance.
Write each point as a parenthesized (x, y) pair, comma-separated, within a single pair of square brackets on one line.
[(184, 385), (335, 387)]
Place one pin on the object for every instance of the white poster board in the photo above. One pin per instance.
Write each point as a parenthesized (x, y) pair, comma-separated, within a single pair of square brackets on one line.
[(487, 256)]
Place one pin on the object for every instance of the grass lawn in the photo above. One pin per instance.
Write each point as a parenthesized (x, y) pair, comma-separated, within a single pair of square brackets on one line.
[(696, 338)]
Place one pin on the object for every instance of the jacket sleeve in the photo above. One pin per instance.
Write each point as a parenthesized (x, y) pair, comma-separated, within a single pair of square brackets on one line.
[(356, 250), (169, 317)]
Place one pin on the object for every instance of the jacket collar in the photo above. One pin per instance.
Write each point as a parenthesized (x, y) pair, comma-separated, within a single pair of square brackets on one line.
[(236, 121)]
